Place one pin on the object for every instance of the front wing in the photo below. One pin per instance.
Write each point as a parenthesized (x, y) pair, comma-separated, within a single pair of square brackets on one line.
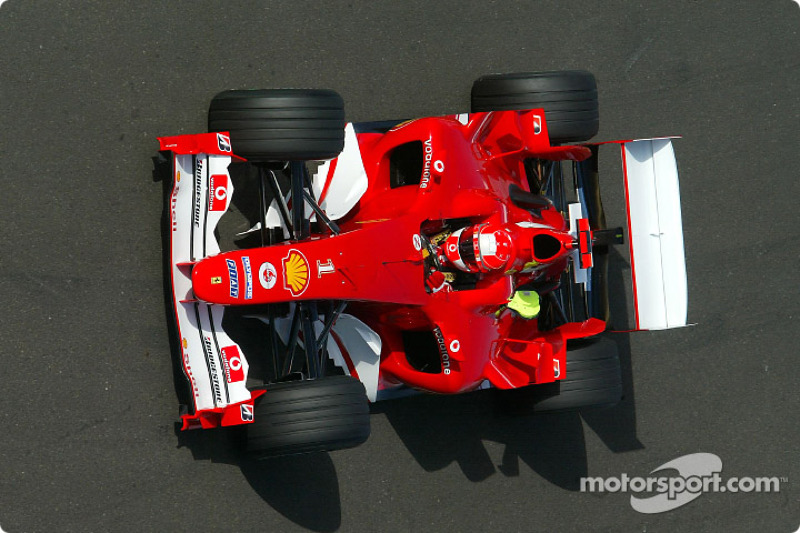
[(213, 363)]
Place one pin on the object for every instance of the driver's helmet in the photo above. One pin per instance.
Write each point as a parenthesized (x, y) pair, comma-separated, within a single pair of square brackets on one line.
[(479, 248)]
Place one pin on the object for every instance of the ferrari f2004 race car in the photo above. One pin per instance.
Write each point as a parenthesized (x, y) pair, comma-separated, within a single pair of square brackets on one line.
[(442, 254)]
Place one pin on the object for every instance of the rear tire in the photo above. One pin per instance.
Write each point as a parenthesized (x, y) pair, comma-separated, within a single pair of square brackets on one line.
[(593, 379), (295, 417), (280, 124), (569, 100)]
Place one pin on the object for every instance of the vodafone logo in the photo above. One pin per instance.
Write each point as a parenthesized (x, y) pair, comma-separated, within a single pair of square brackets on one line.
[(220, 193), (232, 360), (218, 185), (267, 275)]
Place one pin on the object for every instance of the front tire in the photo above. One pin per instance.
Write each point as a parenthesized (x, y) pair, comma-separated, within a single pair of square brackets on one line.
[(569, 100), (280, 124), (593, 379), (295, 417)]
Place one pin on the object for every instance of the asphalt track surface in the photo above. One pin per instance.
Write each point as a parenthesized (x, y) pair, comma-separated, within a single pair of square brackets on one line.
[(88, 440)]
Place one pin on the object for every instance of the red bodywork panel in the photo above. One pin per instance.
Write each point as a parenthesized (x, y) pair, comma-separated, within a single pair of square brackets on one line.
[(378, 264)]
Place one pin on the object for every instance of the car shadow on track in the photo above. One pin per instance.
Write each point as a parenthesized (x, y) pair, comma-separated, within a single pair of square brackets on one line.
[(303, 488), (439, 430)]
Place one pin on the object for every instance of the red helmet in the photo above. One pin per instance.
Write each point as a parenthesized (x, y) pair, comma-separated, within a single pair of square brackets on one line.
[(479, 248)]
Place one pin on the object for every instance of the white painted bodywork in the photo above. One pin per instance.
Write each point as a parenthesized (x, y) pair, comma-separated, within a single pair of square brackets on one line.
[(347, 183), (200, 324), (363, 347), (656, 233)]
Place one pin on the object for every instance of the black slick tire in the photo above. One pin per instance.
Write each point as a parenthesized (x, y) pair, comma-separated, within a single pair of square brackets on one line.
[(569, 100), (295, 417), (280, 124)]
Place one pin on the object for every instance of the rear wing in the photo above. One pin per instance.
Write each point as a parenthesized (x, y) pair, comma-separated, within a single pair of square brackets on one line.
[(655, 230)]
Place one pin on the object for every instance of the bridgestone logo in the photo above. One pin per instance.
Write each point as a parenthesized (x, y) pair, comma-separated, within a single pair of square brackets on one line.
[(198, 189), (223, 142), (212, 365)]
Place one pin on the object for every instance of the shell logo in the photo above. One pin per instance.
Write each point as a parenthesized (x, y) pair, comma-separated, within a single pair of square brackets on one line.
[(295, 273)]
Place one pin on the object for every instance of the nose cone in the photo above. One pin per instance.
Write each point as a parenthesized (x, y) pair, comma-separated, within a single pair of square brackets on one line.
[(216, 280)]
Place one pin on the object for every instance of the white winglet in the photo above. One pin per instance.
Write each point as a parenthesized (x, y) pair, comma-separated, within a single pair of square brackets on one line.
[(341, 182), (362, 346)]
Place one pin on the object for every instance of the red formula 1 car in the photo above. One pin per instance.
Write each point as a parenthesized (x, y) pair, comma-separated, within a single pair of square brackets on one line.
[(442, 254)]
